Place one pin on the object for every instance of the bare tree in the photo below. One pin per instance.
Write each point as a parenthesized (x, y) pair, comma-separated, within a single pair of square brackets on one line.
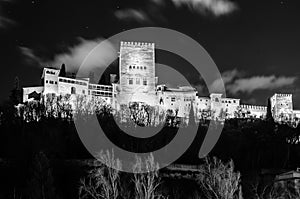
[(147, 183), (219, 180), (257, 192), (103, 182), (271, 191)]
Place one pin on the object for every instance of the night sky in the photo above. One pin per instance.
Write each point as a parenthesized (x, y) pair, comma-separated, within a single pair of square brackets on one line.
[(255, 44)]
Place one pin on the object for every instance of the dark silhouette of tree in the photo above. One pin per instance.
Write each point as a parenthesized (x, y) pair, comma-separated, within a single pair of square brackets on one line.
[(16, 94), (41, 185), (269, 116), (62, 72)]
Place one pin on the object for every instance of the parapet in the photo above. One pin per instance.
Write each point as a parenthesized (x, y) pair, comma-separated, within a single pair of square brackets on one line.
[(135, 44), (282, 95), (253, 107)]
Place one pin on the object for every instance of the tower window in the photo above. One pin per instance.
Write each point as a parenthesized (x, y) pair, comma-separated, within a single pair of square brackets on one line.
[(133, 67), (145, 67), (130, 67), (73, 90), (130, 81), (145, 82), (138, 81), (138, 67)]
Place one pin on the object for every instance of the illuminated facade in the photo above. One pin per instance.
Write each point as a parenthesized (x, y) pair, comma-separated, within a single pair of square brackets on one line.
[(136, 73), (137, 83), (54, 84), (282, 106)]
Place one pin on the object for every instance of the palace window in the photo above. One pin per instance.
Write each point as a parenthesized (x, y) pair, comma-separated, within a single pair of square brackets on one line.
[(73, 90), (138, 81), (145, 82), (130, 81), (51, 82)]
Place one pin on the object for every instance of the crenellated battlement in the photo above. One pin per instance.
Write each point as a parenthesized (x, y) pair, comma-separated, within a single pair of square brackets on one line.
[(135, 44), (253, 107), (283, 95)]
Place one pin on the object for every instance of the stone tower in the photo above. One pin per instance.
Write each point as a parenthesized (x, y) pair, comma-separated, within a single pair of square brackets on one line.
[(216, 104), (137, 73), (282, 106)]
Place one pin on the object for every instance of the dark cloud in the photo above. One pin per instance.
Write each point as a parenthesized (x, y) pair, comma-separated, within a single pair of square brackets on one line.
[(235, 82), (29, 56), (133, 15), (216, 7), (251, 84), (153, 11), (4, 20), (76, 55), (150, 13)]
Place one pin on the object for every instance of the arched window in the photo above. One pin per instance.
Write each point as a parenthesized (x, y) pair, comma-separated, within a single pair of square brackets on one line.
[(73, 90), (130, 67)]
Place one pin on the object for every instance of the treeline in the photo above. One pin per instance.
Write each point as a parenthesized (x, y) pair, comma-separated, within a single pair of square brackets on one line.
[(252, 144)]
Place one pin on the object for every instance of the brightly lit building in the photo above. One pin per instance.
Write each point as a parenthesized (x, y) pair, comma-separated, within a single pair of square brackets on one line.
[(137, 83)]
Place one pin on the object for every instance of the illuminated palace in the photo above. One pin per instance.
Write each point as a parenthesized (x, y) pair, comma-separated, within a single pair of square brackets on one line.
[(138, 83)]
